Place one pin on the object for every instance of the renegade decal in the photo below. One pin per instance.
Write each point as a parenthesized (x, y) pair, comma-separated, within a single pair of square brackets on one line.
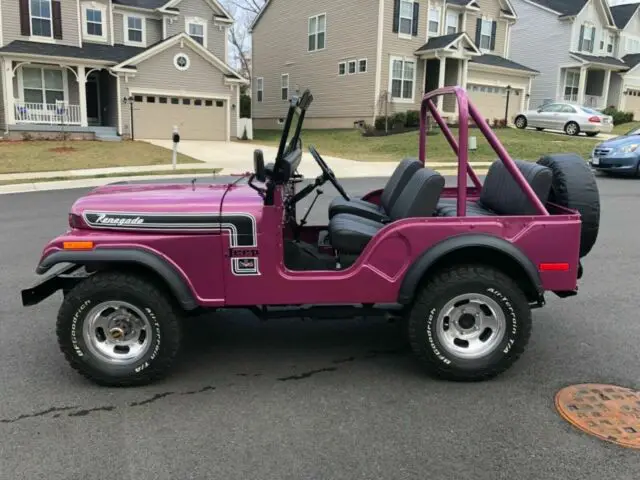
[(241, 227)]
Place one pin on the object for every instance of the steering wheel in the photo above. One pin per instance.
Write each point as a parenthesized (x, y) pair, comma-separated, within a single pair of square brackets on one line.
[(327, 173)]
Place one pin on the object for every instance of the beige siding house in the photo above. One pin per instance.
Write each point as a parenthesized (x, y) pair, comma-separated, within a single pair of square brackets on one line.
[(362, 59), (109, 69)]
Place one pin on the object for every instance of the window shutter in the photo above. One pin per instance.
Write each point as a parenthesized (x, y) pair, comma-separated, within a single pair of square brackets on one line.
[(581, 37), (494, 28), (478, 31), (593, 39), (416, 14), (396, 16), (56, 15), (25, 23)]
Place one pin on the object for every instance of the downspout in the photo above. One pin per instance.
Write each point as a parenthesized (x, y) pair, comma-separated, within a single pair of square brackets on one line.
[(117, 77), (378, 59)]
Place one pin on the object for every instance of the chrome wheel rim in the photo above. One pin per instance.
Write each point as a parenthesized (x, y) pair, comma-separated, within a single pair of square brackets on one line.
[(117, 332), (471, 326), (520, 123), (571, 129)]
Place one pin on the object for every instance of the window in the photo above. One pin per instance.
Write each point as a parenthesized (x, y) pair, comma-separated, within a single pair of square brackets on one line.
[(452, 23), (43, 85), (138, 98), (175, 101), (352, 67), (40, 11), (208, 103), (587, 38), (186, 101), (362, 66), (162, 99), (151, 99), (284, 86), (405, 24), (197, 102), (317, 32), (571, 82), (259, 88), (181, 61), (402, 79), (342, 68), (134, 30), (196, 28), (610, 42), (434, 21), (94, 22), (219, 103), (486, 30)]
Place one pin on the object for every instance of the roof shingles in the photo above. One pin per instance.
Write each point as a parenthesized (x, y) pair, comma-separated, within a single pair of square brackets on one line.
[(436, 43), (148, 4), (93, 51), (497, 61), (563, 7), (623, 13), (613, 61)]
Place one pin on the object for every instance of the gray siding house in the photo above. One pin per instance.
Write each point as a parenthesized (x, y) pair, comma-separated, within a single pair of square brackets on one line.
[(588, 53), (117, 68), (367, 57)]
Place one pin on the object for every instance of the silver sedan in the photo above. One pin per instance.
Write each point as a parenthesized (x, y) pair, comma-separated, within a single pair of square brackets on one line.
[(570, 118)]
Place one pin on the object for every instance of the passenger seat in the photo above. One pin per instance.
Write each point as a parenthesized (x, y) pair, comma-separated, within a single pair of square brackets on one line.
[(501, 195), (350, 234), (361, 208)]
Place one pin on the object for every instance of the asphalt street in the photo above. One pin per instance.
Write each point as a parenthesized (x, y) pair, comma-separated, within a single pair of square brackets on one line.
[(316, 400)]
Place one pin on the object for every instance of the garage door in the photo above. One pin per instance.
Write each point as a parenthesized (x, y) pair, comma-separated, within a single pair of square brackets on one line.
[(492, 101), (632, 103), (196, 118)]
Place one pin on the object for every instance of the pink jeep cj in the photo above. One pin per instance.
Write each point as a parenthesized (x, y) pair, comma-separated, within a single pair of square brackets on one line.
[(462, 266)]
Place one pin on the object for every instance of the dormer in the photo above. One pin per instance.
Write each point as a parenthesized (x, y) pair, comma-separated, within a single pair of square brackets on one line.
[(594, 31)]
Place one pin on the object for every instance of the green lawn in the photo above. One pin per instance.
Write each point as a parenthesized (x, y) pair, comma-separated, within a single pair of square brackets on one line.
[(44, 156), (350, 144), (624, 128)]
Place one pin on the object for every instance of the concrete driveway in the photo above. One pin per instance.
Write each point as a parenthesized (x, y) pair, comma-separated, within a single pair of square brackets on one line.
[(237, 157)]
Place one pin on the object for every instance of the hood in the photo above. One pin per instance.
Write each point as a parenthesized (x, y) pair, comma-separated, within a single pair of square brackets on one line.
[(158, 207), (620, 141)]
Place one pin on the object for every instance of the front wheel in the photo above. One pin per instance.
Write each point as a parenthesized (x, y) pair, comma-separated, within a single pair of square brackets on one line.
[(469, 323), (119, 329)]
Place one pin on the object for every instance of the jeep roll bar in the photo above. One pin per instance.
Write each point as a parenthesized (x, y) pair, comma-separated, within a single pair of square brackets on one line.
[(466, 109)]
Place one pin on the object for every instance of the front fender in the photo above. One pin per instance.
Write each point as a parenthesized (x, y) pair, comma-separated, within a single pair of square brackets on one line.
[(439, 251), (174, 279)]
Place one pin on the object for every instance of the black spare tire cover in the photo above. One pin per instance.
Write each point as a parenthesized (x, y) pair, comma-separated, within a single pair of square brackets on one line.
[(574, 186)]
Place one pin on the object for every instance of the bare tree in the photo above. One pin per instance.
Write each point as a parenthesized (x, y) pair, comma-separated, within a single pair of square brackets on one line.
[(244, 12)]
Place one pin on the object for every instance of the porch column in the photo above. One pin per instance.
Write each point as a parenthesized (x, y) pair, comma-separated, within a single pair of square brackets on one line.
[(441, 72), (82, 96), (582, 84), (462, 77), (605, 88), (9, 106)]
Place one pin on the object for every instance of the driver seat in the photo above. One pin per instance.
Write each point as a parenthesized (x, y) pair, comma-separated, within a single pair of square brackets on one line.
[(350, 234), (380, 213)]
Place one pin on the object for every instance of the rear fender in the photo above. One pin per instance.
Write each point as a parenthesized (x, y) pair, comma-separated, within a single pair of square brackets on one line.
[(149, 261), (474, 248)]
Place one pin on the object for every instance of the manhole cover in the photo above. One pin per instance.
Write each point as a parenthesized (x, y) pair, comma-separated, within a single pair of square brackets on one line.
[(608, 412)]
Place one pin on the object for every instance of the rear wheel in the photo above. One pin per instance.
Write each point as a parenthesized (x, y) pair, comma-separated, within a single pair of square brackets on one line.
[(118, 329), (572, 128), (469, 323), (521, 122)]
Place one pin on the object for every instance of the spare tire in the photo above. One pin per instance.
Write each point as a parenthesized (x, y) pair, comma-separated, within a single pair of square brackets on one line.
[(574, 186)]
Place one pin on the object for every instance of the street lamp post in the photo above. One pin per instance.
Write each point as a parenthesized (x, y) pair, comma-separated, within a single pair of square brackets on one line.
[(130, 100), (506, 110)]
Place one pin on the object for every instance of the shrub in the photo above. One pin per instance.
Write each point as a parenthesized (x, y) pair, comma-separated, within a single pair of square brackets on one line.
[(399, 119), (619, 117), (379, 124), (413, 118)]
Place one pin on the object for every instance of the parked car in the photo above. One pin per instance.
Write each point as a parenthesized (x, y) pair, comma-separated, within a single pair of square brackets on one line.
[(571, 118), (618, 155)]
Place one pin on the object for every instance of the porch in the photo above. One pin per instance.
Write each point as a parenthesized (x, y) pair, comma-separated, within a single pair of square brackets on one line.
[(591, 84), (42, 96)]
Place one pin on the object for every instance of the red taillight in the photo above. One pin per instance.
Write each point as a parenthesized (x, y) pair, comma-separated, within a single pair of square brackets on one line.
[(594, 119), (553, 267)]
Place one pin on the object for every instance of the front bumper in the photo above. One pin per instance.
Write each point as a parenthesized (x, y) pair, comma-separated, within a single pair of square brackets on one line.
[(62, 279), (623, 163)]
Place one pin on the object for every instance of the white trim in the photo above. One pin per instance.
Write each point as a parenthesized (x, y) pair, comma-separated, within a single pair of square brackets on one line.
[(188, 21), (366, 66), (317, 32), (404, 60), (41, 37), (165, 18), (483, 21), (125, 28), (212, 3), (175, 61), (175, 93), (112, 39), (29, 57), (439, 11), (405, 36), (378, 79), (355, 67), (79, 23), (91, 5), (449, 12), (7, 91), (261, 89), (1, 37), (282, 87)]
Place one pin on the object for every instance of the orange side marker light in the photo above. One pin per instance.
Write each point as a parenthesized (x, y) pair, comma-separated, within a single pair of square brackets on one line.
[(77, 245)]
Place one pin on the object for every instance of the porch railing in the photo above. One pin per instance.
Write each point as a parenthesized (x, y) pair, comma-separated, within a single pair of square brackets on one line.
[(58, 113), (593, 101)]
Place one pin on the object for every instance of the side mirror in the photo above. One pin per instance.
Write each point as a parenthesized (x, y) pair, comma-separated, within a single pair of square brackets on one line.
[(539, 110), (258, 166)]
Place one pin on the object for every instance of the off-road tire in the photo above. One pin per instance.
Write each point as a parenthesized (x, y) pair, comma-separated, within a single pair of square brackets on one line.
[(444, 286), (574, 186), (520, 122), (569, 125), (164, 316)]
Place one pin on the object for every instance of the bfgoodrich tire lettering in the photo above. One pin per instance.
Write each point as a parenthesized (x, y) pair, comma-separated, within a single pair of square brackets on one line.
[(163, 322), (434, 355)]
